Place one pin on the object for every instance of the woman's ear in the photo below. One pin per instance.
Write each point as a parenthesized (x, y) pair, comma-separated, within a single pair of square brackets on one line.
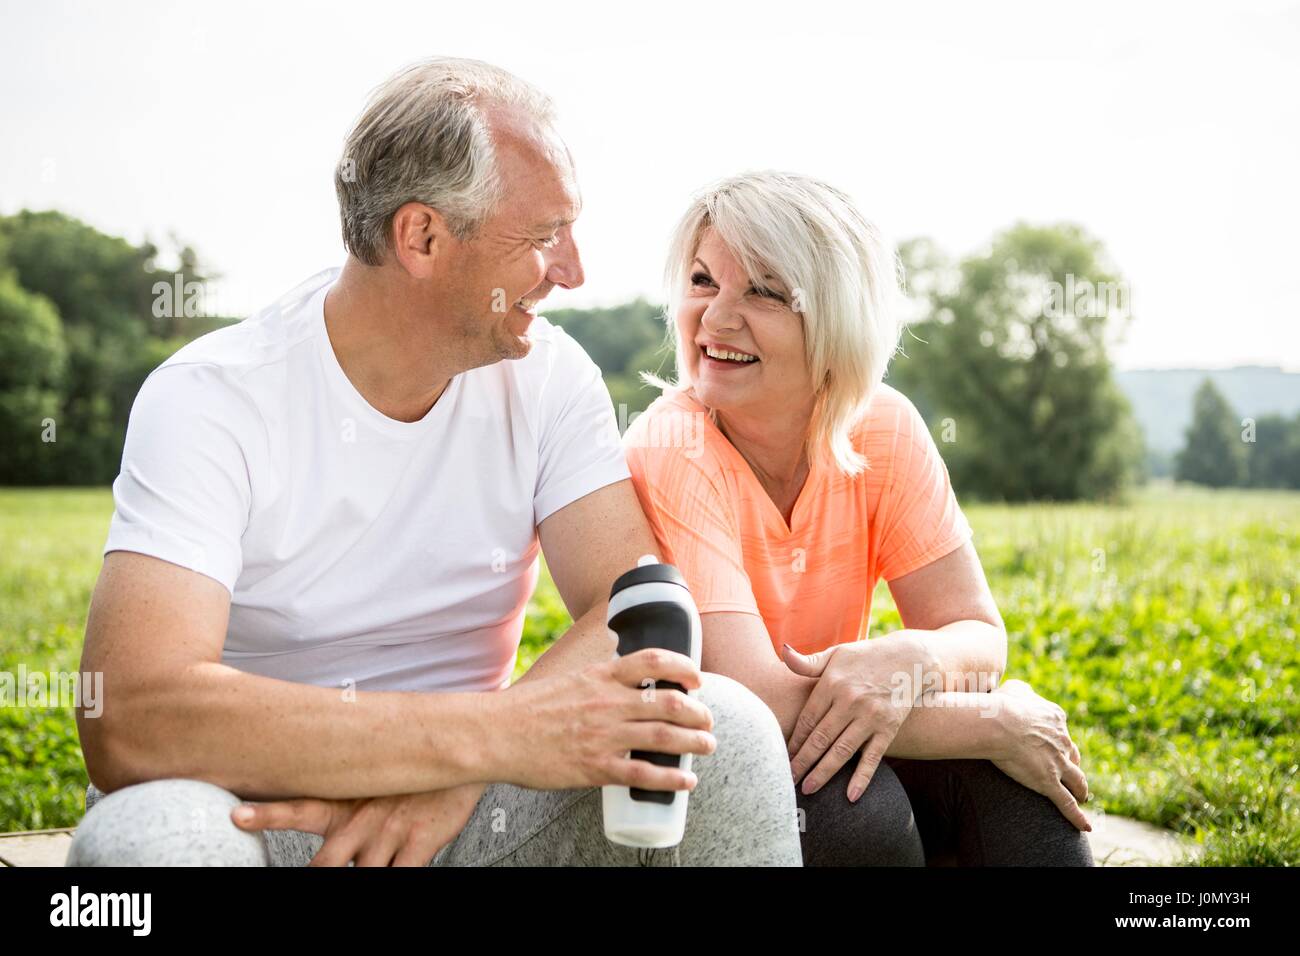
[(420, 235)]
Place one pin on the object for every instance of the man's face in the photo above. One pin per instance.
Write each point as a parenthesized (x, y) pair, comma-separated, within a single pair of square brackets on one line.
[(522, 252)]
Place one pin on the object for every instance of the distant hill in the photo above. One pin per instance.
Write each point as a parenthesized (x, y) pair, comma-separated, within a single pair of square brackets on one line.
[(1162, 400)]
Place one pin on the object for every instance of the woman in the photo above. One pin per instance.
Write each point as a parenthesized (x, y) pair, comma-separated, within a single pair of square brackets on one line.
[(785, 479)]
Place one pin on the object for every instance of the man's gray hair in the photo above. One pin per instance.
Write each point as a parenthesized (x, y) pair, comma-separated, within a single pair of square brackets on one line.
[(423, 138)]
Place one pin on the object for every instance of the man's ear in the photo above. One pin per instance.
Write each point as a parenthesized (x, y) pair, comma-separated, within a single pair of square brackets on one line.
[(420, 235)]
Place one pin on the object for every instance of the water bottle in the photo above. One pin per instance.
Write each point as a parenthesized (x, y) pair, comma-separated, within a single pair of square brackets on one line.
[(650, 606)]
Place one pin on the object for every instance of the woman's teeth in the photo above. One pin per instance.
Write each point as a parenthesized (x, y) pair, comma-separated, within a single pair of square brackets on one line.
[(729, 356)]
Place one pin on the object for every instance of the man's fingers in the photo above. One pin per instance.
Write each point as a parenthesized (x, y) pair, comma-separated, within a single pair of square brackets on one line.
[(339, 848), (872, 754), (380, 849), (674, 707), (364, 824), (660, 737), (641, 669), (420, 848), (1075, 756), (645, 775), (416, 853), (310, 816)]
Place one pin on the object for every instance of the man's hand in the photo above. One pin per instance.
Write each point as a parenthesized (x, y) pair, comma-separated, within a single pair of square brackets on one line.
[(404, 830), (576, 729)]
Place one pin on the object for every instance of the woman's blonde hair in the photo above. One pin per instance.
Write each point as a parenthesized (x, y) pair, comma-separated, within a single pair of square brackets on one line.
[(842, 275)]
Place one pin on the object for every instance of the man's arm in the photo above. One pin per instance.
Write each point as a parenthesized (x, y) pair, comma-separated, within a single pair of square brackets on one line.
[(172, 709), (587, 545)]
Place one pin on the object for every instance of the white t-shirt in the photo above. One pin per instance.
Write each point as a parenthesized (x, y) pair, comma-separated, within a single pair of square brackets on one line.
[(360, 550)]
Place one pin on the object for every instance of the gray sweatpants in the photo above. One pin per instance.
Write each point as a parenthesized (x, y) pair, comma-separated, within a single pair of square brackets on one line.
[(741, 813)]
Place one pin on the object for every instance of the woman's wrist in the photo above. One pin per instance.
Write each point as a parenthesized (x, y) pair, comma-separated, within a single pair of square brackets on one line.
[(1000, 718), (955, 725), (924, 675)]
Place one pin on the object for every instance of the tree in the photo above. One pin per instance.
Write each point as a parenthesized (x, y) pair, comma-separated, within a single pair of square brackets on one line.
[(1006, 357), (623, 340), (1273, 458), (33, 362), (1214, 453), (101, 291)]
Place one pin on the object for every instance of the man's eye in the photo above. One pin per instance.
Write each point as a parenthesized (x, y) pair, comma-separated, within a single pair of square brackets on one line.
[(548, 242), (699, 278)]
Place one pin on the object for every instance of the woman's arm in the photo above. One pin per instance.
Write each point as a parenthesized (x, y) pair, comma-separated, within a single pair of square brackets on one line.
[(948, 607), (738, 646), (951, 724), (953, 640)]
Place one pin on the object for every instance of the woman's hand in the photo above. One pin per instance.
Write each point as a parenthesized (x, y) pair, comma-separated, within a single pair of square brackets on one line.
[(403, 830), (859, 699), (1038, 752)]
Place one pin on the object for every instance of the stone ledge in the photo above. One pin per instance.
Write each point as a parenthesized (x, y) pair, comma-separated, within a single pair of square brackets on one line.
[(1115, 840)]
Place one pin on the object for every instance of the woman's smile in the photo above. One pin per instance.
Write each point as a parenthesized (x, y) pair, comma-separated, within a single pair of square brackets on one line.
[(723, 358)]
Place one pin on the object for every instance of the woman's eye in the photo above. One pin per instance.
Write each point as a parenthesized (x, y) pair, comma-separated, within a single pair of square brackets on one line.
[(768, 294), (700, 278)]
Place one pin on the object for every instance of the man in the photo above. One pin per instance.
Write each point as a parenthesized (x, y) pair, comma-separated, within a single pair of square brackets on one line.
[(326, 534)]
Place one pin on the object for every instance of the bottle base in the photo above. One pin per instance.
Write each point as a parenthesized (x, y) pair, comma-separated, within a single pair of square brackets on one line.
[(647, 839)]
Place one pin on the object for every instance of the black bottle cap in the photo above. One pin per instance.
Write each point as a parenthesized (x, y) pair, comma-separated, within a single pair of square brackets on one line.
[(646, 572)]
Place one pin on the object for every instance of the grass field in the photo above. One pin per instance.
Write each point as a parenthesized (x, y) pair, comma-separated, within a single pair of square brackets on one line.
[(1165, 628)]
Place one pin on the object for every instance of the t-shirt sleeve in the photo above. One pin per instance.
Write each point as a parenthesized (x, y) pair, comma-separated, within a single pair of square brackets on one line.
[(183, 494), (579, 448), (694, 524), (922, 521)]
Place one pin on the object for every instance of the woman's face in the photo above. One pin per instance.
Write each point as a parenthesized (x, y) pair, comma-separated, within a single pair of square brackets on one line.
[(724, 314)]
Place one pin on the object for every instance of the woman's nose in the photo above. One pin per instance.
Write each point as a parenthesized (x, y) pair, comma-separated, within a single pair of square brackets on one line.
[(721, 316)]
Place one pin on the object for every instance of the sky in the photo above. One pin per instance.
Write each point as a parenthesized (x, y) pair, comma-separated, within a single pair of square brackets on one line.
[(1171, 132)]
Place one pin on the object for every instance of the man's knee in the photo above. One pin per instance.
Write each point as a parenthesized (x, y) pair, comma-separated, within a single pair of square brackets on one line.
[(165, 823), (743, 811), (736, 708), (751, 756), (745, 727)]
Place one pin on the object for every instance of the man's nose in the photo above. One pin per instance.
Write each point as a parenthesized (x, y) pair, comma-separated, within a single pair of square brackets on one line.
[(565, 268)]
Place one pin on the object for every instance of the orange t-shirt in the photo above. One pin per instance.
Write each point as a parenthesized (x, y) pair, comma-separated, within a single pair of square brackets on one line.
[(811, 582)]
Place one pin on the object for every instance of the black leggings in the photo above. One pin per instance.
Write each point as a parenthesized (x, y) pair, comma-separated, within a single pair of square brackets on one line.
[(936, 813)]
